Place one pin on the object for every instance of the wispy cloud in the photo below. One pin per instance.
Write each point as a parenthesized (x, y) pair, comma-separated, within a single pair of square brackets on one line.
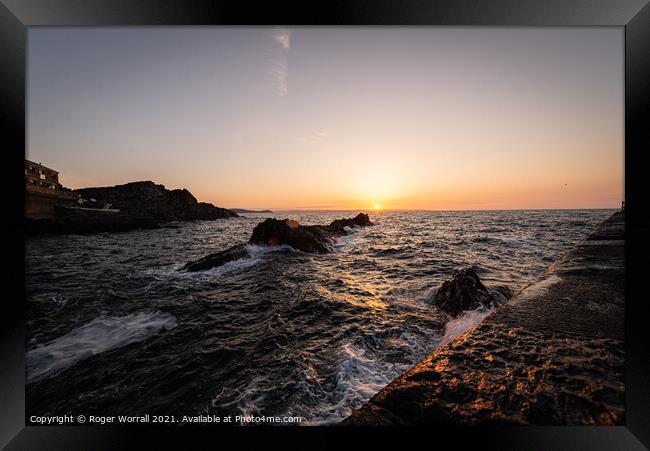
[(284, 38), (314, 136), (279, 66)]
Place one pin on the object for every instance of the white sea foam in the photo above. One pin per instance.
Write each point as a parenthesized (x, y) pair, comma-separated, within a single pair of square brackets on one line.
[(470, 318), (342, 241), (255, 252), (249, 401), (359, 371), (100, 335), (359, 377), (463, 322)]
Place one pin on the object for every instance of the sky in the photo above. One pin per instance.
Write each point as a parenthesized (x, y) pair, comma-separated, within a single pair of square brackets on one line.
[(439, 118)]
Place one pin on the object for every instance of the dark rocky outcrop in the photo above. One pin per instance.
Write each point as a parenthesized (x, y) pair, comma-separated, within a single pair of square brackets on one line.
[(360, 220), (465, 291), (313, 239), (218, 258), (146, 199), (141, 205)]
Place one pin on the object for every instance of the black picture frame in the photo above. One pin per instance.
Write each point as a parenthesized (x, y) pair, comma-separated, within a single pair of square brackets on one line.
[(17, 15)]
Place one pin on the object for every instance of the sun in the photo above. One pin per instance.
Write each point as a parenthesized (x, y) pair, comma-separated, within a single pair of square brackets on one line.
[(377, 207)]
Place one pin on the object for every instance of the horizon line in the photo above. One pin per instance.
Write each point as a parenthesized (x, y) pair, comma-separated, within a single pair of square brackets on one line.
[(274, 210)]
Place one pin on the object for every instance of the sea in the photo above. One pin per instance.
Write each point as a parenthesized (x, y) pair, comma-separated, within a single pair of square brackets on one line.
[(114, 326)]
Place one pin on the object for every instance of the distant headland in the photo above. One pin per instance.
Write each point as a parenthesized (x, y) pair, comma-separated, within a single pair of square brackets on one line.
[(243, 210), (52, 208)]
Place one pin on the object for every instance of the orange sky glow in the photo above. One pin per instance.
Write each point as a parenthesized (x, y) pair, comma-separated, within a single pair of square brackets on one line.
[(336, 117)]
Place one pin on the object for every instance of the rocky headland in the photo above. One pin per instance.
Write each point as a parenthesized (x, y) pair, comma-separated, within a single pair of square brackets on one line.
[(136, 205), (552, 355), (313, 239)]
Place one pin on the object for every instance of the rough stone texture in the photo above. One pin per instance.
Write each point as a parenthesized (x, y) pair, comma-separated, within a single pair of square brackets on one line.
[(313, 239), (611, 229), (273, 232), (465, 291), (142, 205), (552, 355)]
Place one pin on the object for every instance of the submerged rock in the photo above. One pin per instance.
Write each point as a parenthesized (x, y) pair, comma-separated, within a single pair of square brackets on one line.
[(313, 239), (465, 291), (218, 258)]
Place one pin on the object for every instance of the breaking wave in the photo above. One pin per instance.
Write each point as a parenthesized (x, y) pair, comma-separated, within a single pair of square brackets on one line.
[(99, 335)]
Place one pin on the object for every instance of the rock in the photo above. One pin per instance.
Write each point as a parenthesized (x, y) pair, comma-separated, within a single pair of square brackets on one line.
[(148, 200), (218, 258), (275, 232), (360, 220), (500, 293), (313, 239), (465, 291)]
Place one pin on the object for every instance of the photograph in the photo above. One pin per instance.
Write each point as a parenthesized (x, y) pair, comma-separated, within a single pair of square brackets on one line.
[(325, 226)]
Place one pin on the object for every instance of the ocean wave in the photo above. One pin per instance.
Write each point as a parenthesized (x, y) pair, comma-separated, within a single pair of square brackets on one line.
[(396, 252), (256, 254), (100, 335), (250, 400), (358, 377), (345, 240), (366, 318), (55, 299), (490, 239), (463, 322)]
